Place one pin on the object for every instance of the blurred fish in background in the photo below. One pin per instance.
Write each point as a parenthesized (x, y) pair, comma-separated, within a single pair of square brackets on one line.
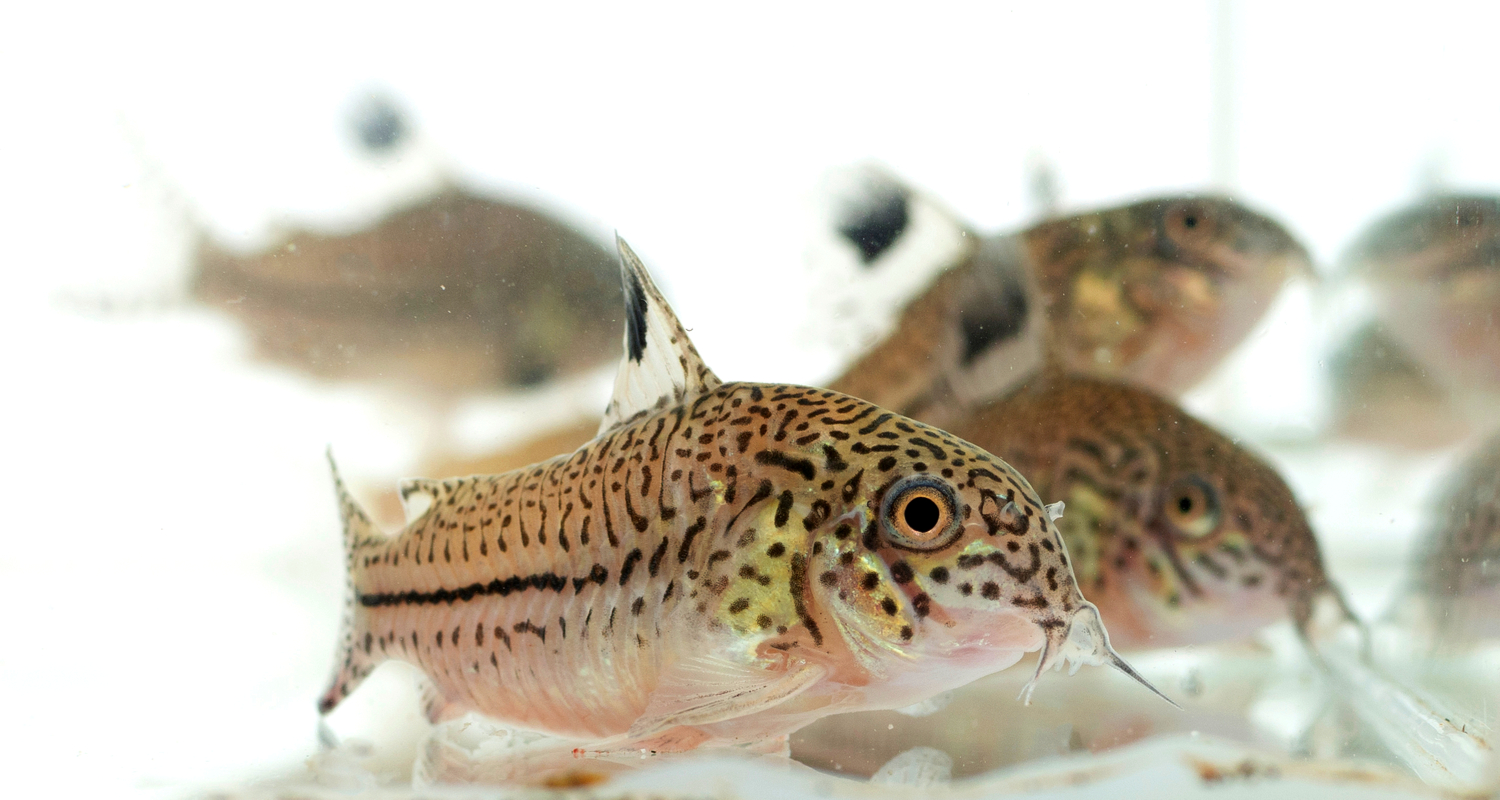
[(1424, 371), (1452, 594), (453, 293), (1180, 536), (1154, 293), (1183, 536)]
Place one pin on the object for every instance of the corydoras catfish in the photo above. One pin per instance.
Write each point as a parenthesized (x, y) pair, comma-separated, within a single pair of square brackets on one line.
[(722, 564), (1435, 271), (1180, 535), (457, 293), (1153, 293)]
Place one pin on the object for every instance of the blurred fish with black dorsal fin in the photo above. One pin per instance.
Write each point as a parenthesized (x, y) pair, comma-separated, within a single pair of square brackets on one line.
[(453, 292), (1152, 293)]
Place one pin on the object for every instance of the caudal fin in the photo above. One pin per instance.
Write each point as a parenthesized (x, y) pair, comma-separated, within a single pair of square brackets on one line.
[(353, 660)]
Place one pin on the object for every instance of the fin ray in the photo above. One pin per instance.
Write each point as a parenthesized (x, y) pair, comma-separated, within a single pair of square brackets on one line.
[(660, 366), (354, 659), (704, 689)]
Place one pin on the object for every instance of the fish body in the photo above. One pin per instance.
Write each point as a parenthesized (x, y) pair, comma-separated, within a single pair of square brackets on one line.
[(1435, 271), (1381, 393), (1153, 293), (1178, 534), (723, 564), (456, 293)]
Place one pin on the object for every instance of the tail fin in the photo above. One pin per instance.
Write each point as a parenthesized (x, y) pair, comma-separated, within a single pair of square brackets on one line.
[(353, 660)]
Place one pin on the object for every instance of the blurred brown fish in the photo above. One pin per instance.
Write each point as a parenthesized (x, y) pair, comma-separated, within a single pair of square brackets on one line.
[(1435, 271), (1179, 535), (456, 293), (1453, 594), (1154, 293), (1381, 393)]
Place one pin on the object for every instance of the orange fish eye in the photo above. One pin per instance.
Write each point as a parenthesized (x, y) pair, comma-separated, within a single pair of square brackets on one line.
[(1189, 222), (920, 513), (1192, 507)]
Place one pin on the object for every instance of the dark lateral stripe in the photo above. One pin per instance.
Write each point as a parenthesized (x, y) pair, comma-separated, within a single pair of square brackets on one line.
[(545, 581), (776, 458), (880, 420)]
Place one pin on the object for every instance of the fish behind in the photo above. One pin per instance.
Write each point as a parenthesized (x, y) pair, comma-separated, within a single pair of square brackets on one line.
[(722, 564), (1153, 293), (1180, 535), (1425, 371)]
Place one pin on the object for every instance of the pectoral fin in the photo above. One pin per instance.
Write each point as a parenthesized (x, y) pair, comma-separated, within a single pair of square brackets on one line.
[(705, 689)]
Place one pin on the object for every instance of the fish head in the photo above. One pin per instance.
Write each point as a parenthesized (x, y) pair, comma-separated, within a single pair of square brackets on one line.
[(937, 563), (1183, 537), (1155, 292), (1435, 271)]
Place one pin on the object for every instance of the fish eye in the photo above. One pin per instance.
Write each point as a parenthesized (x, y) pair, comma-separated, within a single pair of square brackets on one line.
[(1189, 221), (1192, 508), (920, 513)]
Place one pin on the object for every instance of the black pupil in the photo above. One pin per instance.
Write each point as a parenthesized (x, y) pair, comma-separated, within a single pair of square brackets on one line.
[(921, 514), (1185, 504), (1190, 221)]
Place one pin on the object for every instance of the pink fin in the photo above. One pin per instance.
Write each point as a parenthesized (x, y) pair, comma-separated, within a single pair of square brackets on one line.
[(355, 659), (705, 689)]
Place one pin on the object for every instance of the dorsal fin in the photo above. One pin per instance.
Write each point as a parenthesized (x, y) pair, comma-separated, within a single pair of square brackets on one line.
[(660, 367), (875, 245)]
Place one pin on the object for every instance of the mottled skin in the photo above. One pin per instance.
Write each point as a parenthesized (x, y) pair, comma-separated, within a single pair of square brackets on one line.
[(746, 523), (456, 293), (1177, 534), (1455, 585), (1435, 269), (1154, 293), (1157, 292)]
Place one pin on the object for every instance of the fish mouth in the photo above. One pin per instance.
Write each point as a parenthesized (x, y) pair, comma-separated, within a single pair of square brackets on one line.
[(1082, 640)]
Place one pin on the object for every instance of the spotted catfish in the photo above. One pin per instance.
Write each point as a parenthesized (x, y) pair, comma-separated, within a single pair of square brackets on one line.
[(1177, 533), (724, 563), (1153, 293)]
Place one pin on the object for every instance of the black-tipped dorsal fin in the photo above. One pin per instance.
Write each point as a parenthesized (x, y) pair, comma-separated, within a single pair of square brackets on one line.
[(660, 367)]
